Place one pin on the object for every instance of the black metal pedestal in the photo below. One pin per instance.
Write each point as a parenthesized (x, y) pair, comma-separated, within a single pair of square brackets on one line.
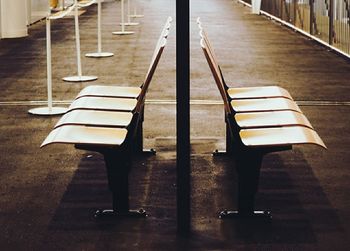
[(248, 164), (118, 165)]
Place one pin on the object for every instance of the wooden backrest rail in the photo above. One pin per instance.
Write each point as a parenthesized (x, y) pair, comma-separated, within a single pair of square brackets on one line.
[(217, 76)]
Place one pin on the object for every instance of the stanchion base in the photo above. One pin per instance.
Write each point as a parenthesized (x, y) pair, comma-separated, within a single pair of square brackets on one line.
[(123, 32), (47, 111), (79, 78), (136, 15), (99, 54), (110, 213), (130, 24)]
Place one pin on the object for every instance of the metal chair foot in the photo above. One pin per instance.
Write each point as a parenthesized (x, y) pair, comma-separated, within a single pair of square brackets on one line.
[(217, 152), (110, 213), (266, 215), (150, 151)]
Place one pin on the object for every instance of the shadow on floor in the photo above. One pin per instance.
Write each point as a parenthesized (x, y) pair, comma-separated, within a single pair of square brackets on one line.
[(288, 188)]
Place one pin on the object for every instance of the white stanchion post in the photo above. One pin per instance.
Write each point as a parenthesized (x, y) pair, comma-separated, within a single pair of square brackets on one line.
[(49, 64), (99, 53), (99, 40), (123, 31), (129, 23), (135, 13), (77, 40), (80, 77), (49, 110)]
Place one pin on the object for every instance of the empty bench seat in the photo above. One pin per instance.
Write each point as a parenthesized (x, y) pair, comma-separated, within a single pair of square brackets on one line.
[(110, 126), (96, 118), (110, 91), (115, 98), (264, 104), (103, 103), (255, 126), (258, 92), (271, 119), (87, 135), (279, 136)]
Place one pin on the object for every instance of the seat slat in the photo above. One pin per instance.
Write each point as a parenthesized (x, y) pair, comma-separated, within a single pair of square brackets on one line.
[(271, 119), (258, 92), (110, 91), (73, 134), (95, 118), (264, 104), (103, 103), (281, 136)]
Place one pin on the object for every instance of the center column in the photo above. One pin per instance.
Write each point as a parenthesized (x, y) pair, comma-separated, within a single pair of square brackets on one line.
[(183, 116)]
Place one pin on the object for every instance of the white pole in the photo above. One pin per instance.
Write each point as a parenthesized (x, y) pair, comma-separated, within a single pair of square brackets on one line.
[(49, 110), (48, 67), (123, 23), (77, 38), (129, 11), (99, 43), (123, 31), (129, 23), (78, 78), (99, 53), (135, 13)]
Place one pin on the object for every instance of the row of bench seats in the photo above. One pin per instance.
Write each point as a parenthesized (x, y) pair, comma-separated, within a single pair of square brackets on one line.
[(259, 120), (108, 120)]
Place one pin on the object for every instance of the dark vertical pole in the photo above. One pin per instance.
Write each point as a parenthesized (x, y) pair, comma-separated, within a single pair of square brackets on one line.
[(295, 2), (331, 21), (183, 115), (281, 9), (312, 17)]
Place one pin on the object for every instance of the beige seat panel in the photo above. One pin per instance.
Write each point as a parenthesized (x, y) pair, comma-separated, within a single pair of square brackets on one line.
[(280, 136), (264, 104), (73, 134), (110, 91), (100, 103), (258, 92), (271, 119), (84, 2), (95, 118)]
